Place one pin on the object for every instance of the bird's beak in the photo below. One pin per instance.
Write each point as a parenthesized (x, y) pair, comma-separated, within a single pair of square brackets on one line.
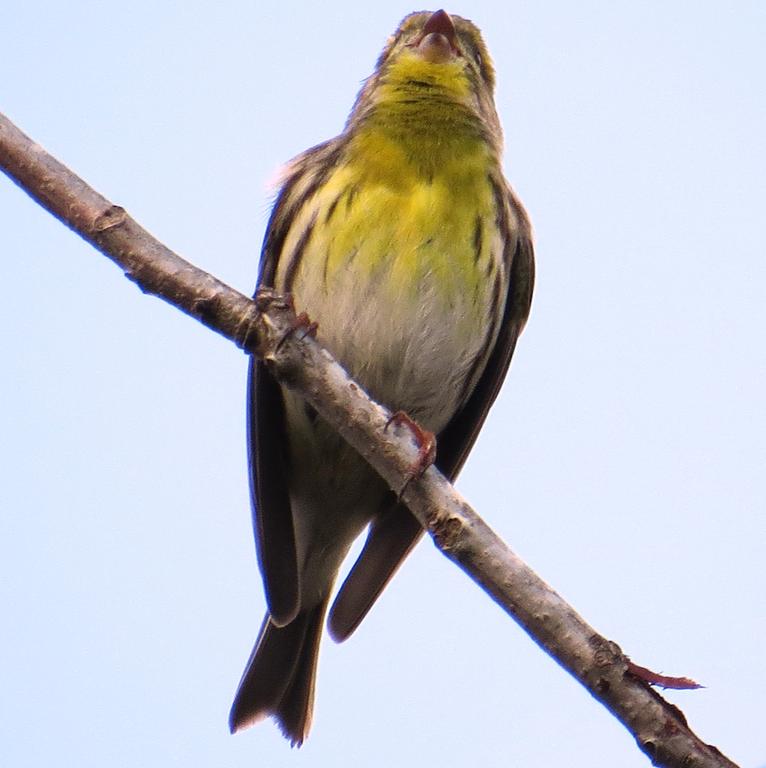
[(438, 41)]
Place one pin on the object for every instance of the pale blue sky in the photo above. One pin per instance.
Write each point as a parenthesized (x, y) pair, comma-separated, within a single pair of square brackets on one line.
[(624, 460)]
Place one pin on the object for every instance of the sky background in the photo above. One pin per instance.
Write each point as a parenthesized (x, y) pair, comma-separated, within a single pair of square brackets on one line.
[(624, 459)]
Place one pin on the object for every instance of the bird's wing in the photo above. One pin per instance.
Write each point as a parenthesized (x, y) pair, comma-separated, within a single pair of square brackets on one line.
[(272, 517), (457, 438), (267, 437), (393, 534)]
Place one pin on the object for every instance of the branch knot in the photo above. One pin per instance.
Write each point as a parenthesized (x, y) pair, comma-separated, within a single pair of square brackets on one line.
[(114, 216)]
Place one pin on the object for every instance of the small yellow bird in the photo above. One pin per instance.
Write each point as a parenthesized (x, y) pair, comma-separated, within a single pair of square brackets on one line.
[(402, 239)]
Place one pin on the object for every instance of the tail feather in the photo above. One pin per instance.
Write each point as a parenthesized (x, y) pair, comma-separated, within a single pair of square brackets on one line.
[(279, 677), (391, 537)]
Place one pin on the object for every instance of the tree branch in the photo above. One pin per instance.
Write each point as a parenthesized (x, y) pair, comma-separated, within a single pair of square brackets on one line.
[(265, 327)]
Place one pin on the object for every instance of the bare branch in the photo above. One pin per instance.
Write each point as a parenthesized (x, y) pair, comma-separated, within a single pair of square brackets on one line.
[(266, 328)]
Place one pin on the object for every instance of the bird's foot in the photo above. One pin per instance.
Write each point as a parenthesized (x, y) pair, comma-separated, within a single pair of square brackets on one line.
[(268, 298), (426, 442), (303, 324)]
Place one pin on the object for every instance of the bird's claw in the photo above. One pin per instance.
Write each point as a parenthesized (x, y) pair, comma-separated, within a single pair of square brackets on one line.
[(426, 442), (302, 323)]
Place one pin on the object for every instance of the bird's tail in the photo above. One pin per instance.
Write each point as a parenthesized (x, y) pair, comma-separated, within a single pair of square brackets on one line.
[(279, 677)]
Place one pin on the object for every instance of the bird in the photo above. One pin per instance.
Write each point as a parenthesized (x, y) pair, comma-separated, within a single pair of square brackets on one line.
[(402, 240)]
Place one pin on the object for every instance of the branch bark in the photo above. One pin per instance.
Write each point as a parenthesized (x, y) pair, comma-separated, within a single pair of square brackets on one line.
[(265, 327)]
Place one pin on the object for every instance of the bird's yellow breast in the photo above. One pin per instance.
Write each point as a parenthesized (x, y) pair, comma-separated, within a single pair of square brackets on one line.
[(398, 268), (390, 221)]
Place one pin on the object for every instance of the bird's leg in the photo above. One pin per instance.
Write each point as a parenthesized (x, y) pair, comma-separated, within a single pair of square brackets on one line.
[(425, 441)]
